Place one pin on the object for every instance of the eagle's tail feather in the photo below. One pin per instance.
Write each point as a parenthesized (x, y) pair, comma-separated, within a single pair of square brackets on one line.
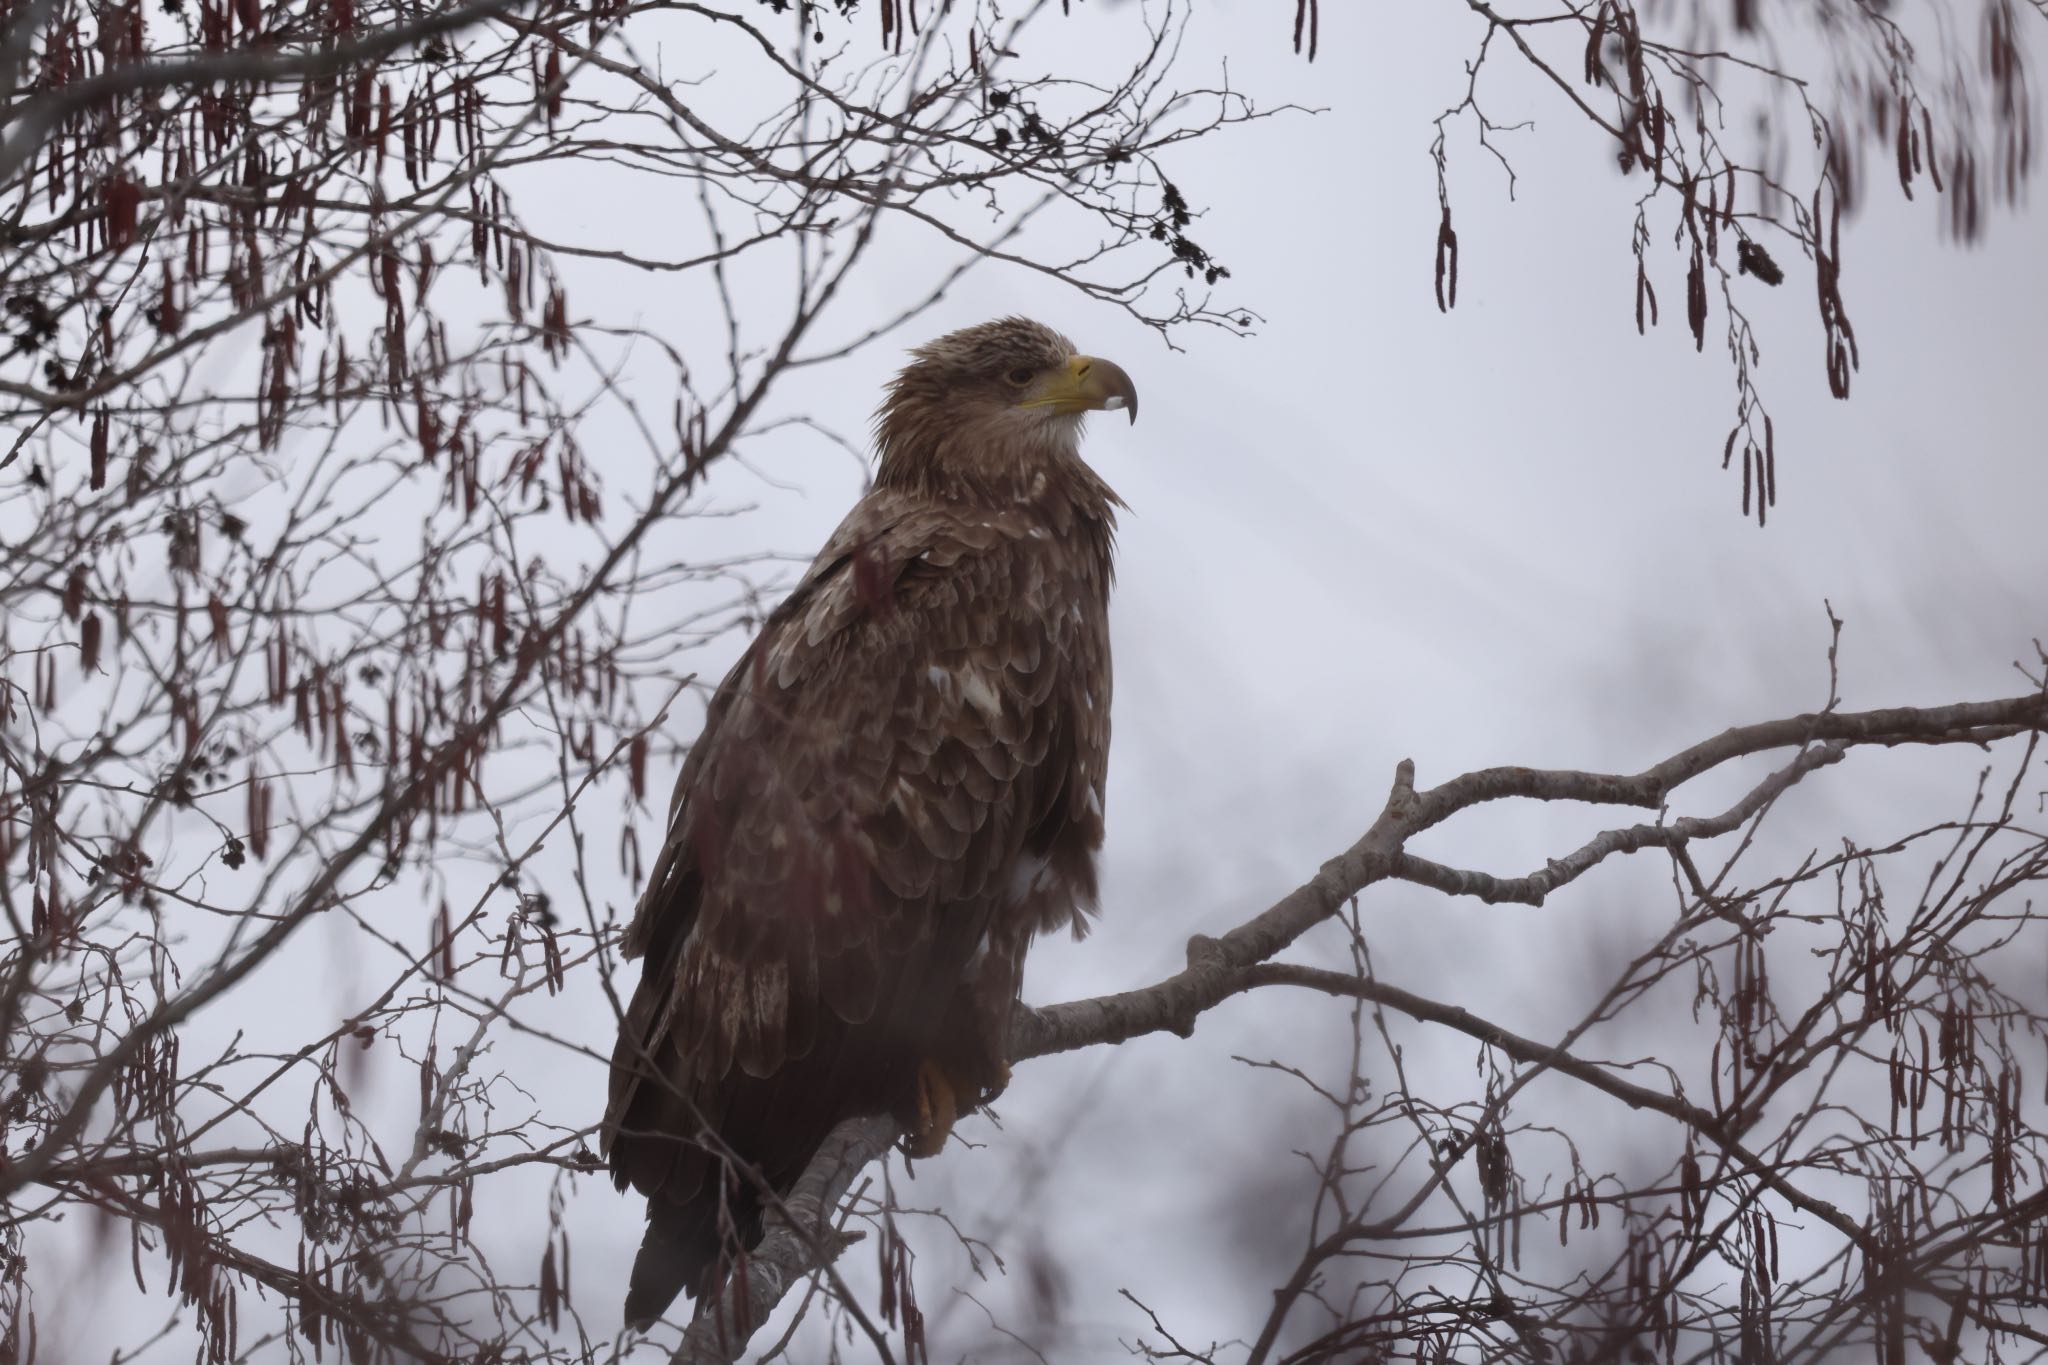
[(688, 1247)]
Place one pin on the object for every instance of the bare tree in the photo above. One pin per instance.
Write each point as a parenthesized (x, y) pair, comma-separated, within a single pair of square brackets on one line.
[(329, 666), (317, 609), (1752, 128)]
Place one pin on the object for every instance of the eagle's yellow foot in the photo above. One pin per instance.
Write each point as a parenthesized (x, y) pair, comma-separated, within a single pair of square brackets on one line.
[(936, 1110)]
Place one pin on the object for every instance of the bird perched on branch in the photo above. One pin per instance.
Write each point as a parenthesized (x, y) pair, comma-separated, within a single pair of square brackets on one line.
[(898, 786)]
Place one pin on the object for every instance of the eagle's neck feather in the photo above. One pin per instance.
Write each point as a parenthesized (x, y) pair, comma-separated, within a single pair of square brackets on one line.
[(999, 464)]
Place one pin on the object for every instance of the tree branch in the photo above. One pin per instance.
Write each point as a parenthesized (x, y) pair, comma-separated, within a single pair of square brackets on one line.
[(32, 121), (1239, 961), (798, 1238)]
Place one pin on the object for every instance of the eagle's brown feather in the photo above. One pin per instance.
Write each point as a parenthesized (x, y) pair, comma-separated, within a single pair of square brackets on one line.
[(897, 786)]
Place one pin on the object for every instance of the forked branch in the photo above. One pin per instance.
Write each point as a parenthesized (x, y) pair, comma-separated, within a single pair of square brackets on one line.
[(800, 1242)]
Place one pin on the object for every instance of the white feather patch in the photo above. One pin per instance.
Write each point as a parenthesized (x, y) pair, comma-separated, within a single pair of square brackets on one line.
[(1029, 875), (976, 691)]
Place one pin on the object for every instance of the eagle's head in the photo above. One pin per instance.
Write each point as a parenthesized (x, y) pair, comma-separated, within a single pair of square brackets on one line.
[(994, 401)]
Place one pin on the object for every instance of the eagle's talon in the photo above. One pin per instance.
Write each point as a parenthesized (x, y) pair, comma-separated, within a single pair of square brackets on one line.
[(936, 1110)]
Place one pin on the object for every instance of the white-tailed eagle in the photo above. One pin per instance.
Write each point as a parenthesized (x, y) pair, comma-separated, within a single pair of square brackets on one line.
[(896, 788)]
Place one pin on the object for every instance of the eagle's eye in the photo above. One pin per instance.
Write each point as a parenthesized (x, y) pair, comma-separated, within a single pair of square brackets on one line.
[(1019, 376)]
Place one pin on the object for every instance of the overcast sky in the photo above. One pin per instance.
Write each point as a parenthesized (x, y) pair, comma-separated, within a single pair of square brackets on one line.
[(1372, 531)]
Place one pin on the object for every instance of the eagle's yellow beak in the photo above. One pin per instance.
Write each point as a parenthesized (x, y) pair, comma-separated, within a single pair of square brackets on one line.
[(1088, 384)]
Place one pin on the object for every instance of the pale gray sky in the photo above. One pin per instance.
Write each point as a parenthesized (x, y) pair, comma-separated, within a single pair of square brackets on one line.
[(1373, 532)]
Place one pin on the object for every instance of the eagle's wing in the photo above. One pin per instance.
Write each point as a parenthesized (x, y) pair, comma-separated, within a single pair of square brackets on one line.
[(900, 775)]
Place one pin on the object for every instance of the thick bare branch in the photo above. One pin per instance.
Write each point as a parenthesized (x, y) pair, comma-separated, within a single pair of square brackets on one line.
[(1221, 968)]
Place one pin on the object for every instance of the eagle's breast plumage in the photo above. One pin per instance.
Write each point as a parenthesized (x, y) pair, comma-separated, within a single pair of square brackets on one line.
[(897, 786)]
